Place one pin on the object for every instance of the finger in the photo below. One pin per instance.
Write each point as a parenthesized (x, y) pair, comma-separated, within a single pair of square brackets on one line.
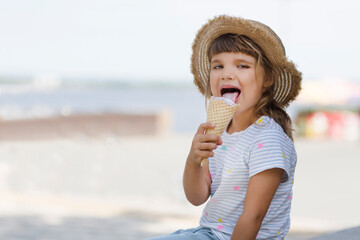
[(209, 138), (208, 146), (219, 142), (204, 126), (204, 153)]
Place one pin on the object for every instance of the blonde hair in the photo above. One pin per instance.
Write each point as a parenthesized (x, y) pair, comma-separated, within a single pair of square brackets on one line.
[(266, 106)]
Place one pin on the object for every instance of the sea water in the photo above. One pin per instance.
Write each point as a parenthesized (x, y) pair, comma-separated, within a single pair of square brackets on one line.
[(184, 103)]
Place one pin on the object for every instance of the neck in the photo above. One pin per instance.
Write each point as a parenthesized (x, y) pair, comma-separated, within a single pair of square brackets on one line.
[(241, 122)]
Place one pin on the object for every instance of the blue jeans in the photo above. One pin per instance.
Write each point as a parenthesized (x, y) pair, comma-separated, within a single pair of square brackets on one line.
[(199, 233)]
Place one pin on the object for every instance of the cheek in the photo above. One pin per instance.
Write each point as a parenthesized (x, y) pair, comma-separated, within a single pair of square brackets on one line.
[(257, 93), (253, 93), (258, 86), (214, 91), (213, 85)]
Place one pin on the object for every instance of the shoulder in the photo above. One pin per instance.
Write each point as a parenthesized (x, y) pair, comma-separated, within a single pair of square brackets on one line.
[(271, 148), (268, 130)]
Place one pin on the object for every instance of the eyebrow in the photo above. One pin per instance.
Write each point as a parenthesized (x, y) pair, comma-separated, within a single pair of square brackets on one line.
[(215, 61), (236, 59), (245, 60)]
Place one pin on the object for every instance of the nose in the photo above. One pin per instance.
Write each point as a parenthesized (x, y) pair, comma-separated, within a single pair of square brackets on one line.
[(227, 75)]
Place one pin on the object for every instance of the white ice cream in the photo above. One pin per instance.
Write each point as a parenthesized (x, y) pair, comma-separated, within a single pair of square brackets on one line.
[(228, 101)]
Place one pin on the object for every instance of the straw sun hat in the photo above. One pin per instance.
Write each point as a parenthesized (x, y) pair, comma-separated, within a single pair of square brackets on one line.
[(287, 83)]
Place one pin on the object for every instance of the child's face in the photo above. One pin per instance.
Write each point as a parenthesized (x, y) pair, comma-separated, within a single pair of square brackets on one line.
[(233, 76)]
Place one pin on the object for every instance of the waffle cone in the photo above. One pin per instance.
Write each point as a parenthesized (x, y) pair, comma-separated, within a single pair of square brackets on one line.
[(220, 114)]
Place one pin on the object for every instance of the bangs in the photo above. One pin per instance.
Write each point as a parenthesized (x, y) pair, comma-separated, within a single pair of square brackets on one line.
[(233, 43)]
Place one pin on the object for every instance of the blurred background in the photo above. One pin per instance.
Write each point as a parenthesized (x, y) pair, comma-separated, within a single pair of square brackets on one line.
[(98, 111)]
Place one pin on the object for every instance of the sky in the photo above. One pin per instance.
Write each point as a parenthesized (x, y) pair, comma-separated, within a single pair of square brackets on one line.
[(143, 40)]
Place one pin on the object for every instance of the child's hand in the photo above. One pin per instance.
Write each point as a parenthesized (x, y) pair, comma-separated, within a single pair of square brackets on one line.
[(203, 144)]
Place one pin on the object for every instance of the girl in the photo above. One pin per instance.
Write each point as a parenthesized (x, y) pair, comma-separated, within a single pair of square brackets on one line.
[(250, 171)]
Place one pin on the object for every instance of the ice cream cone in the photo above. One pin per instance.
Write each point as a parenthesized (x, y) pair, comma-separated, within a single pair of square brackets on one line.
[(220, 112)]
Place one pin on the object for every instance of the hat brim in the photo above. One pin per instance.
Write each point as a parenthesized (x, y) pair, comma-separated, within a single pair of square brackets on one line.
[(263, 36)]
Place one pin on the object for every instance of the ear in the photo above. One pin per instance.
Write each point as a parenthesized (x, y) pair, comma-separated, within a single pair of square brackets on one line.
[(268, 82)]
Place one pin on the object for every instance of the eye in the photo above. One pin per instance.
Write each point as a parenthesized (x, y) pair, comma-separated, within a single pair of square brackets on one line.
[(243, 66), (218, 66)]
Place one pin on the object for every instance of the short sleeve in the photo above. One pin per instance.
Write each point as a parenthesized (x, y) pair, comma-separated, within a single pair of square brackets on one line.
[(270, 149)]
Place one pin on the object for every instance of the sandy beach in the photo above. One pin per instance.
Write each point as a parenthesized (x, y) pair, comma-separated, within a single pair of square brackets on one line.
[(134, 183)]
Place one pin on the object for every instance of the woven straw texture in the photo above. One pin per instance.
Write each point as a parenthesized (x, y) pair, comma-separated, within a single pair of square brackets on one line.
[(287, 84)]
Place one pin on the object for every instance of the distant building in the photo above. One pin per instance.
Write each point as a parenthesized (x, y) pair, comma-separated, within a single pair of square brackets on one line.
[(330, 108), (330, 124)]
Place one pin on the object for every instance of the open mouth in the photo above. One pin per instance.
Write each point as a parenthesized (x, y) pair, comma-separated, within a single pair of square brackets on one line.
[(230, 93)]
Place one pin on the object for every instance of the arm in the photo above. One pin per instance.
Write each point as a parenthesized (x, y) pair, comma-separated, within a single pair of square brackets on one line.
[(196, 179), (261, 190)]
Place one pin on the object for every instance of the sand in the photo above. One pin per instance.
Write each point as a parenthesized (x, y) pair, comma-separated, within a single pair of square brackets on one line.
[(109, 174)]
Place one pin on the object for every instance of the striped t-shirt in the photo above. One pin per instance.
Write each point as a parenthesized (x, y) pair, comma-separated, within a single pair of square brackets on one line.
[(262, 146)]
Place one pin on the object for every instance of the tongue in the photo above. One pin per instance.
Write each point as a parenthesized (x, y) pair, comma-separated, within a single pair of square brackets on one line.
[(231, 95)]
